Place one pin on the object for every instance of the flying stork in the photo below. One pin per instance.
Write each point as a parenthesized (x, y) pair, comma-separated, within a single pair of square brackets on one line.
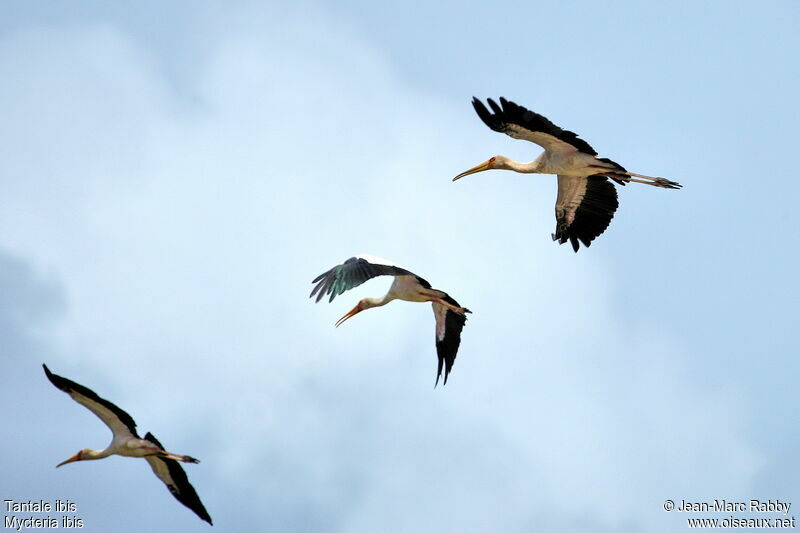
[(127, 442), (586, 200), (450, 316)]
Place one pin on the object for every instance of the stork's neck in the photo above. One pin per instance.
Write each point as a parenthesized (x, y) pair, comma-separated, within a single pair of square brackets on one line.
[(96, 454), (88, 454), (532, 167), (377, 302)]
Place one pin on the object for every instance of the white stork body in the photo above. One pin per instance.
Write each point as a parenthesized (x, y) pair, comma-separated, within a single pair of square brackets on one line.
[(127, 443), (406, 288), (586, 201), (450, 317), (572, 164)]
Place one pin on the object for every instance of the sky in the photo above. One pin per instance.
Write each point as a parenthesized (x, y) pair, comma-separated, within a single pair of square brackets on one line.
[(173, 176)]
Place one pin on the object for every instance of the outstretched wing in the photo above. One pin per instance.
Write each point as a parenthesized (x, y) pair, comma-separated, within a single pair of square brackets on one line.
[(118, 421), (520, 123), (584, 209), (353, 273), (448, 335), (171, 473)]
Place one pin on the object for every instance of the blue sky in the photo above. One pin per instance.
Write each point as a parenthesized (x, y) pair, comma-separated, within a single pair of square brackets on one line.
[(174, 176)]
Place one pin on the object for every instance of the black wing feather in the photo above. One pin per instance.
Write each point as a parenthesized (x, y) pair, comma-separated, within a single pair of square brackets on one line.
[(179, 486), (511, 113), (447, 348), (69, 386), (592, 216), (353, 273)]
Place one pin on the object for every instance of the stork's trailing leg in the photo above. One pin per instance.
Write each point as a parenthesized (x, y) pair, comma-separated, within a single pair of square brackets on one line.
[(459, 310), (625, 178), (178, 457), (657, 182)]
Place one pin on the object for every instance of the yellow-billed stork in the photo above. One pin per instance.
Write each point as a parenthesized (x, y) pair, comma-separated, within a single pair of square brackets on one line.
[(586, 200), (126, 442), (450, 316)]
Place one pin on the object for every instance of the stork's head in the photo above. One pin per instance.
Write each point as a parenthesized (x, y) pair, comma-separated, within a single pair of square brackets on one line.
[(365, 303), (77, 457), (497, 161)]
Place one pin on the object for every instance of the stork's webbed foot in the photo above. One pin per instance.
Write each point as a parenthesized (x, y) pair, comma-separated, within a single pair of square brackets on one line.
[(667, 184)]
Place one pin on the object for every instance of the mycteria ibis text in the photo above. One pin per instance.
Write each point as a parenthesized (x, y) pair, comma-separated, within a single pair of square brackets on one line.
[(20, 523)]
